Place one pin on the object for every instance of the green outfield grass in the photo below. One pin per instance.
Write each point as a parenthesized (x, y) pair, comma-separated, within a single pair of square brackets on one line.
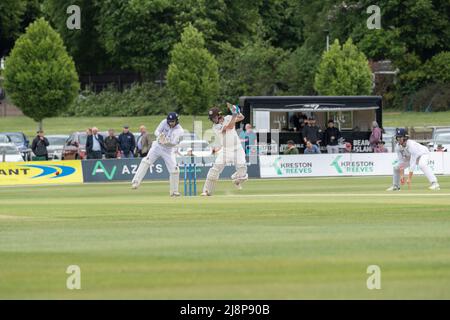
[(69, 125), (276, 239), (416, 119)]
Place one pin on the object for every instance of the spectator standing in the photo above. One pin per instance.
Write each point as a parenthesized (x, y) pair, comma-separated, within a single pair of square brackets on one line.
[(112, 145), (312, 132), (39, 146), (143, 143), (380, 148), (95, 145), (298, 121), (127, 143), (291, 149), (311, 148), (248, 140), (375, 136), (331, 137)]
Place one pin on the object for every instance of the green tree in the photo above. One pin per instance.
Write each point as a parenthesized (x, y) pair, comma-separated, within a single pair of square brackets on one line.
[(193, 75), (421, 27), (281, 22), (33, 11), (83, 45), (11, 12), (40, 76), (437, 69), (298, 71), (314, 17), (383, 45), (343, 71), (253, 69), (138, 34), (424, 25), (220, 20), (412, 74), (15, 16)]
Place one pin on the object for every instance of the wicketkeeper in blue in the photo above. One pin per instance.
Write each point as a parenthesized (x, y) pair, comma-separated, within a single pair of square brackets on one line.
[(168, 136)]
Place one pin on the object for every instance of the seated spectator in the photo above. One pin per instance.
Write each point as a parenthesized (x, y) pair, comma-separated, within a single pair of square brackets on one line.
[(291, 149), (348, 148), (380, 148), (311, 148), (440, 148)]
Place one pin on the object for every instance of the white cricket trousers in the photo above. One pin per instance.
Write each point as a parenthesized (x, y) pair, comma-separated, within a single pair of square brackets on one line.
[(423, 165)]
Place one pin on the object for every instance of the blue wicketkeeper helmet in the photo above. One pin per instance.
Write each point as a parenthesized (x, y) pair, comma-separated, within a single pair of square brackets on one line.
[(401, 133), (173, 116)]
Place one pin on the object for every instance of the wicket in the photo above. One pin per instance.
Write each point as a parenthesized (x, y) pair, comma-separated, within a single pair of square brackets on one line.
[(190, 176)]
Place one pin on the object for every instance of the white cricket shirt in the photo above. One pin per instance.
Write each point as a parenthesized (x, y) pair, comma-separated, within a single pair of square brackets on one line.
[(228, 140), (416, 150), (172, 134)]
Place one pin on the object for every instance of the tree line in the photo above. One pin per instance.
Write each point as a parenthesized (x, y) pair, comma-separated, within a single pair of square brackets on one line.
[(258, 47)]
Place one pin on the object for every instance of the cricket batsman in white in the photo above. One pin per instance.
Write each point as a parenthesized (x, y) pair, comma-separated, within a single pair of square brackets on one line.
[(410, 155), (231, 150), (168, 136)]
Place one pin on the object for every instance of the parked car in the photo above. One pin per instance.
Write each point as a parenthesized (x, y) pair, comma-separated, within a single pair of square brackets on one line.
[(57, 143), (200, 148), (10, 153), (441, 136), (5, 139), (135, 134), (22, 143), (75, 147)]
